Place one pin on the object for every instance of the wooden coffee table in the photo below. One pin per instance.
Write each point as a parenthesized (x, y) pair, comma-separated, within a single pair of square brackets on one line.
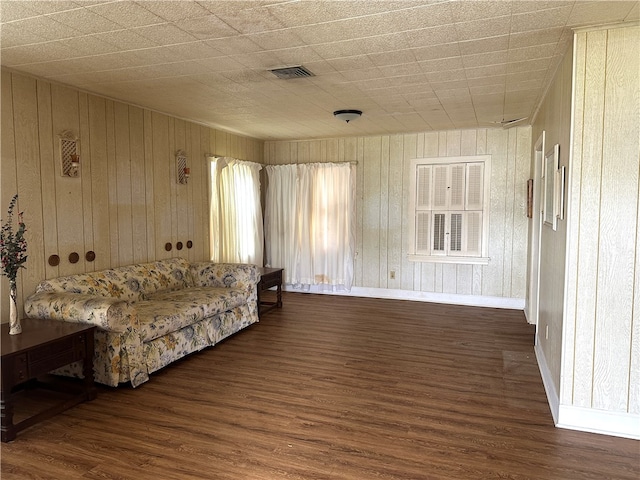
[(43, 345)]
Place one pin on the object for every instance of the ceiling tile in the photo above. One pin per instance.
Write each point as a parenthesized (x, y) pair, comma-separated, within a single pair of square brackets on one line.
[(483, 59), (431, 36), (85, 21), (490, 80), (338, 49), (420, 17), (174, 10), (16, 10), (528, 65), (535, 37), (276, 40), (477, 10), (205, 28), (347, 64), (39, 53), (487, 89), (392, 58), (554, 17), (251, 21), (530, 53), (13, 35), (362, 74), (42, 27), (259, 60), (234, 45), (483, 45), (43, 6), (88, 45), (492, 27), (440, 65), (127, 14), (382, 42), (524, 6), (486, 71), (609, 11), (192, 51), (297, 55), (447, 50), (634, 13), (295, 14), (402, 69), (447, 85), (164, 34), (123, 39)]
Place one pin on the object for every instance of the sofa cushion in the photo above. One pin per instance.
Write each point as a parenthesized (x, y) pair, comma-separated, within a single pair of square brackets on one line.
[(157, 318), (212, 300), (168, 274), (131, 282)]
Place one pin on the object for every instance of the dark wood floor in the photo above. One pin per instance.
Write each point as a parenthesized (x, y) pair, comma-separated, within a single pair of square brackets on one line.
[(333, 388)]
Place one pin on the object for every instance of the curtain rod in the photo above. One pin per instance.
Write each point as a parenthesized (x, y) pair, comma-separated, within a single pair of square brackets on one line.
[(352, 162)]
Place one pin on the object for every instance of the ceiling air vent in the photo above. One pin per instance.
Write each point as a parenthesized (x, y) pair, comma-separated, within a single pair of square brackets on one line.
[(287, 73)]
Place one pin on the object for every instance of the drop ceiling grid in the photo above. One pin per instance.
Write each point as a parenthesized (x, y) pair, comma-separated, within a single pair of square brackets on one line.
[(475, 61)]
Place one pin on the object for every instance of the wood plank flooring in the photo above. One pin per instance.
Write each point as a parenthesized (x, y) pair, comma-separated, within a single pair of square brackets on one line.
[(336, 388)]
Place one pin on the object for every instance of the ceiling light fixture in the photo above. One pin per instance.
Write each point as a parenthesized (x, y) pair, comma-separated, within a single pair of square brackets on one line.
[(347, 115)]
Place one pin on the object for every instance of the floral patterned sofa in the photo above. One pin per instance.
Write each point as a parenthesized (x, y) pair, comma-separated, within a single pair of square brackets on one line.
[(149, 315)]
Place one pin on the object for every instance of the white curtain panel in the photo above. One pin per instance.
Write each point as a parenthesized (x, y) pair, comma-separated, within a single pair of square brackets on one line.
[(236, 213), (310, 224)]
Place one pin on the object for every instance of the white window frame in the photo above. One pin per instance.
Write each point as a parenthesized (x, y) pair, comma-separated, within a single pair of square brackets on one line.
[(446, 256)]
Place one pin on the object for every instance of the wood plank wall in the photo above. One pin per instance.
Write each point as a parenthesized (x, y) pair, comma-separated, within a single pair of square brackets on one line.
[(601, 351), (554, 118), (126, 204), (382, 200)]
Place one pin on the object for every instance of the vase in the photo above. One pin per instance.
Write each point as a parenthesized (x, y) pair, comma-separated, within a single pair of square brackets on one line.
[(14, 322)]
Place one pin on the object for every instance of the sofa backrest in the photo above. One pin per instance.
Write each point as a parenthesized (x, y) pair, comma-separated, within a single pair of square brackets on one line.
[(131, 282)]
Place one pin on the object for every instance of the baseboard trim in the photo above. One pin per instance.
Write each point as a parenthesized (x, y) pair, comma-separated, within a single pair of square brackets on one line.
[(618, 424), (447, 298), (547, 381)]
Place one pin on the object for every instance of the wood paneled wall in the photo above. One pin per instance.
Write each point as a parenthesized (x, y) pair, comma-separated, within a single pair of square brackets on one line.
[(554, 118), (601, 351), (382, 201), (126, 204)]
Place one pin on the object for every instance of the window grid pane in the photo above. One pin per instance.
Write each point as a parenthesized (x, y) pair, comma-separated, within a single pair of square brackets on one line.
[(422, 232), (456, 232), (438, 232), (424, 187)]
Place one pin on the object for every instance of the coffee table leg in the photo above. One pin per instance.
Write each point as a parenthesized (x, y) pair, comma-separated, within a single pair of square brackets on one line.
[(279, 294), (8, 431), (87, 367)]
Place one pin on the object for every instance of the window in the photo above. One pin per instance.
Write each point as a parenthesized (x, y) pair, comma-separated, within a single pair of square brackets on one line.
[(449, 208)]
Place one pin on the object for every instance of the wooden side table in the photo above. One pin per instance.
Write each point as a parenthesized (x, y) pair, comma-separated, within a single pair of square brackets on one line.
[(43, 345), (269, 277)]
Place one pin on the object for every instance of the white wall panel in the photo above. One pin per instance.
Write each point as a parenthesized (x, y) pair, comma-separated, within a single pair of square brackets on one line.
[(600, 350)]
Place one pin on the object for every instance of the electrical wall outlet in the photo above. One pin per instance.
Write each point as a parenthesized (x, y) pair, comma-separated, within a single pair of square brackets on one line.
[(392, 274)]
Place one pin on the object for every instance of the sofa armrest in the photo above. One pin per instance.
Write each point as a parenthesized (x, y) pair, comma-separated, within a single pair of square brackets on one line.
[(107, 313), (230, 275)]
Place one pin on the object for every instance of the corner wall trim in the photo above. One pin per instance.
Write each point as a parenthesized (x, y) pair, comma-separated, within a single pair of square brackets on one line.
[(547, 381), (448, 298), (618, 424)]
